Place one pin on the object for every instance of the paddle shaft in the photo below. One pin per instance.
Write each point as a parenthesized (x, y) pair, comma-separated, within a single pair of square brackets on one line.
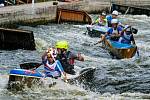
[(59, 68), (30, 65)]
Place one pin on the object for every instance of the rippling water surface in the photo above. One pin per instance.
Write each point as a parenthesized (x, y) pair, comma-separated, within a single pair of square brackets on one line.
[(115, 79)]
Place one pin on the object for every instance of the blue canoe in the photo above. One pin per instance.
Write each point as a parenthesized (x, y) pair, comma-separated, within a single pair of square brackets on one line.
[(19, 77), (120, 50)]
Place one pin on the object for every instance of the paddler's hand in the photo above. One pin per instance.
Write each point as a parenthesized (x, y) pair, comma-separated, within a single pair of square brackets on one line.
[(80, 57), (65, 77), (97, 42), (66, 81)]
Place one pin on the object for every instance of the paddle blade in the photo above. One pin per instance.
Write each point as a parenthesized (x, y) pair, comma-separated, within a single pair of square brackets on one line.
[(134, 30), (30, 65)]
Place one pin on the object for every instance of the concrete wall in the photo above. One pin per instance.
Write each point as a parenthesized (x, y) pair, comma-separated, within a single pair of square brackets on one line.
[(97, 6), (39, 13), (128, 2), (44, 12)]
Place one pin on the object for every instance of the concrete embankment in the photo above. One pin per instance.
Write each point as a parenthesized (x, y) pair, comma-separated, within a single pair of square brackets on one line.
[(27, 14), (41, 13)]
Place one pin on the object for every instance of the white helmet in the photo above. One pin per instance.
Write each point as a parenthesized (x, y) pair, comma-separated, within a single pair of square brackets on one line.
[(103, 13), (115, 12), (114, 21)]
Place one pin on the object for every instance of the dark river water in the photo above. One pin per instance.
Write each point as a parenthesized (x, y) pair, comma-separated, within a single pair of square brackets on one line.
[(125, 79)]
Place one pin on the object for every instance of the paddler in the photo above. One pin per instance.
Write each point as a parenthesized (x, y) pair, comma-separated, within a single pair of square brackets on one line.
[(113, 33), (127, 35), (67, 57), (101, 21), (114, 15), (52, 67)]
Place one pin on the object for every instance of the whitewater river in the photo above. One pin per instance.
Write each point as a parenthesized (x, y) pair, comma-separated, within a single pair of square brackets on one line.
[(114, 79)]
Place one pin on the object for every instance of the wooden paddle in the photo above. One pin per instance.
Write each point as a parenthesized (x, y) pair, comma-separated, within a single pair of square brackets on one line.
[(30, 65)]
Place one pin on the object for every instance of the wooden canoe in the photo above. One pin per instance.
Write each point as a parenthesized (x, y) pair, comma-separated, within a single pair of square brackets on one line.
[(120, 50)]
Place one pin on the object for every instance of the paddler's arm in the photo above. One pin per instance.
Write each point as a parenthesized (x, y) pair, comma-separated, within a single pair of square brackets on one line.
[(45, 53), (96, 21), (76, 56), (102, 38), (79, 57)]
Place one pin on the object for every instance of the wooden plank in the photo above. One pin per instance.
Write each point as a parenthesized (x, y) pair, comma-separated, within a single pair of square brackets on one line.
[(73, 16), (59, 17)]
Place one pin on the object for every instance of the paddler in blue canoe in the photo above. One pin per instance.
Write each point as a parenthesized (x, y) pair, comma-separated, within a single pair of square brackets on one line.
[(101, 21), (126, 35), (113, 33), (52, 67), (114, 15)]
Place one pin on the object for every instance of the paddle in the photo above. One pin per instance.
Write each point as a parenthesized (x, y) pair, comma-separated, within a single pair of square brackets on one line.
[(30, 65), (58, 65), (137, 52)]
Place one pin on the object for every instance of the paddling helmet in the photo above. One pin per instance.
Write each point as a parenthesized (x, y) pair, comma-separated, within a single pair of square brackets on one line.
[(115, 12), (114, 21), (103, 13), (62, 44)]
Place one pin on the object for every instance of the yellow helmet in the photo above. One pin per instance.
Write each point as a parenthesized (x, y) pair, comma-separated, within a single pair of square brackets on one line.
[(62, 45)]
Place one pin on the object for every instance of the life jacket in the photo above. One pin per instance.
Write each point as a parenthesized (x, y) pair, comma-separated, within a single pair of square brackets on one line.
[(109, 18), (66, 62), (66, 58), (49, 67), (100, 23), (113, 32), (125, 38)]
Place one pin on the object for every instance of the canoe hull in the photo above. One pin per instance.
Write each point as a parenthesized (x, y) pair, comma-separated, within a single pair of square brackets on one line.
[(18, 82), (96, 31), (19, 78), (120, 53), (85, 75)]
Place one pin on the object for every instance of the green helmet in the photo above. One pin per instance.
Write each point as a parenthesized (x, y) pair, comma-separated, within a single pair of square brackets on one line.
[(62, 44)]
